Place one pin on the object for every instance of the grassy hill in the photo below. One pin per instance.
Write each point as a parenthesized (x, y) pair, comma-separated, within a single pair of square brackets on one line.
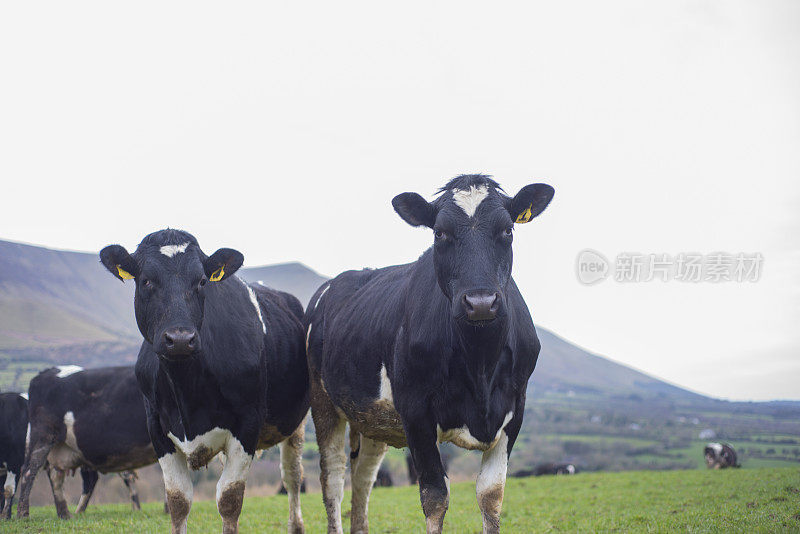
[(757, 500)]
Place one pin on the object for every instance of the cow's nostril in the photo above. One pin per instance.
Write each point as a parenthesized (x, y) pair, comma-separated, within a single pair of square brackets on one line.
[(467, 304), (169, 340)]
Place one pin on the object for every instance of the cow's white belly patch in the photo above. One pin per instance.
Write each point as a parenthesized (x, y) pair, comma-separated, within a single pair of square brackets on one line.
[(461, 437), (65, 455), (385, 391)]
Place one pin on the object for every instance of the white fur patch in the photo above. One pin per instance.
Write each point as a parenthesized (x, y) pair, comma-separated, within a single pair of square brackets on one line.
[(321, 294), (66, 370), (171, 250), (24, 396), (254, 302), (11, 484), (385, 392), (71, 440), (716, 447), (469, 199), (494, 465), (462, 437), (237, 465), (308, 335), (28, 437), (176, 474), (214, 440)]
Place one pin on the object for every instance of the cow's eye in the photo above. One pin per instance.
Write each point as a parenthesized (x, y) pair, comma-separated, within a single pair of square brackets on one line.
[(147, 283), (508, 231), (203, 282), (438, 234)]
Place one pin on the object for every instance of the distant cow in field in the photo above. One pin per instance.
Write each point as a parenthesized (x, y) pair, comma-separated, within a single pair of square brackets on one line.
[(437, 350), (720, 456), (222, 369), (383, 479), (92, 420), (13, 428), (554, 469)]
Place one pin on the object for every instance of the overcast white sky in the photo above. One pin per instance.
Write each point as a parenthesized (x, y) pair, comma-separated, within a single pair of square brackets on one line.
[(284, 130)]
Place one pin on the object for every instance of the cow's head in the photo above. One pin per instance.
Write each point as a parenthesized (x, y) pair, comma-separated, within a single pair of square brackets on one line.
[(171, 275), (473, 226)]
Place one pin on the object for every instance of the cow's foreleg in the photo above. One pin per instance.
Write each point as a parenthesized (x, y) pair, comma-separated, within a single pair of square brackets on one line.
[(363, 470), (9, 487), (330, 429), (292, 475), (491, 484), (230, 487), (89, 477), (178, 489), (434, 486), (129, 478), (57, 484)]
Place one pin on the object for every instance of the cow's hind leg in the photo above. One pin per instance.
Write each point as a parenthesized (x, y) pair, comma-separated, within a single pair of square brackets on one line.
[(35, 459), (330, 429), (178, 488), (9, 485), (230, 487), (491, 484), (129, 478), (57, 484), (89, 477), (292, 475), (363, 470)]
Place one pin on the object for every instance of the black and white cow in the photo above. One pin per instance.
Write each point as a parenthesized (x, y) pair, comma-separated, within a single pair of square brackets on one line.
[(222, 369), (92, 420), (437, 350), (720, 456), (13, 428)]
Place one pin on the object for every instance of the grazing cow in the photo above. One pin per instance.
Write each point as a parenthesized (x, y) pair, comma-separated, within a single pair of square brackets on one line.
[(437, 350), (554, 469), (92, 420), (222, 369), (720, 456), (13, 427)]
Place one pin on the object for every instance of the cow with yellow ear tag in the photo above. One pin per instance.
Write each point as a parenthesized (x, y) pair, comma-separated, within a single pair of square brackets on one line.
[(221, 368)]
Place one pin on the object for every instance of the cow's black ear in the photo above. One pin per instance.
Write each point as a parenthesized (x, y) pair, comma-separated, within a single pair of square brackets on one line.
[(530, 202), (119, 263), (223, 263), (414, 209)]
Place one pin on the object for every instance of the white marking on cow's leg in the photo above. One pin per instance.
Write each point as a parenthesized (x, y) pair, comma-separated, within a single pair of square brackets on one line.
[(363, 471), (171, 250), (333, 463), (321, 295), (27, 438), (256, 305), (469, 199), (308, 335), (230, 487), (491, 484), (66, 370), (57, 484), (9, 488), (292, 475), (178, 489), (385, 391)]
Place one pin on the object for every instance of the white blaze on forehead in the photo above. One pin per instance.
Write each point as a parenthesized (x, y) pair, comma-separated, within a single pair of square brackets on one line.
[(171, 250), (469, 199), (66, 370)]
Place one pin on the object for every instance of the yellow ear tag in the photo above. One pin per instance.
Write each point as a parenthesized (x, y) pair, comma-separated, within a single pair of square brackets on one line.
[(125, 275), (217, 275), (525, 216)]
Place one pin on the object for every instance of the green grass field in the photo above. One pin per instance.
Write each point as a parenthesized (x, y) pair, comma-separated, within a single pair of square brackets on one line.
[(743, 500)]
